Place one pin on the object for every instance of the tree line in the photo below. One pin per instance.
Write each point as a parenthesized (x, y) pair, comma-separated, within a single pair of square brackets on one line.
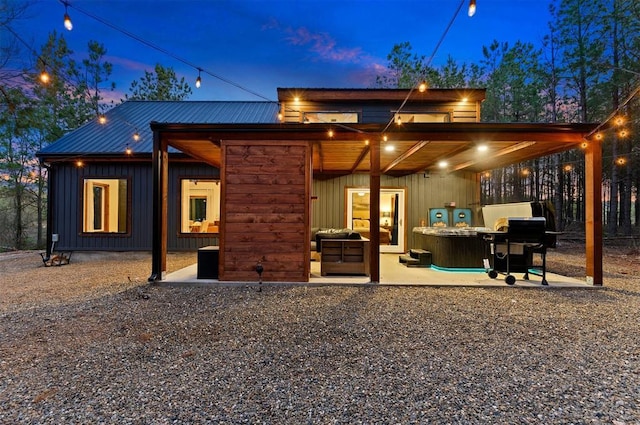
[(44, 94), (587, 68)]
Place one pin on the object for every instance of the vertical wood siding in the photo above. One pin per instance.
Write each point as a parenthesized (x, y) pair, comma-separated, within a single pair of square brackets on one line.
[(67, 209), (264, 212)]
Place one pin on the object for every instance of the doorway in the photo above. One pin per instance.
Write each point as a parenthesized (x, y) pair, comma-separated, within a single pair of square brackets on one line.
[(392, 216)]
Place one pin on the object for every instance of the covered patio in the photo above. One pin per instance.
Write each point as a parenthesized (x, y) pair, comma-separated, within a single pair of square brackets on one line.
[(420, 146), (260, 191)]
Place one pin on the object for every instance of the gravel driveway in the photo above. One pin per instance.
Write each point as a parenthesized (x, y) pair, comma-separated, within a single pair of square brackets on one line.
[(127, 353)]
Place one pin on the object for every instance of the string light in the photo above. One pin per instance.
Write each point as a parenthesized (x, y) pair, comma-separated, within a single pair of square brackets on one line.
[(67, 20), (621, 161), (623, 133), (136, 136), (128, 150), (330, 133), (422, 87), (198, 80), (102, 119), (44, 76), (472, 8)]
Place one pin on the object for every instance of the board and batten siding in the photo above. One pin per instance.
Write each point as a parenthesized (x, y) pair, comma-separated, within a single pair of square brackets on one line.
[(66, 209), (265, 210), (422, 193)]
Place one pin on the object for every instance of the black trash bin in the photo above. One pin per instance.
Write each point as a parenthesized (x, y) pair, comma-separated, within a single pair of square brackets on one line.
[(208, 259)]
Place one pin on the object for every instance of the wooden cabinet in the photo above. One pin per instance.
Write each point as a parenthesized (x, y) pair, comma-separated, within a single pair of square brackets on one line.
[(345, 256)]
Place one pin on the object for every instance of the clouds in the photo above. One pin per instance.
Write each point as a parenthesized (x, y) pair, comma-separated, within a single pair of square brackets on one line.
[(321, 45)]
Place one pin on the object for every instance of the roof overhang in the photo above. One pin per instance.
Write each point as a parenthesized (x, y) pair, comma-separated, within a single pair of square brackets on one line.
[(416, 147)]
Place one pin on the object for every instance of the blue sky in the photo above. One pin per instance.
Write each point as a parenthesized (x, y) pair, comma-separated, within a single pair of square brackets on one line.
[(264, 44)]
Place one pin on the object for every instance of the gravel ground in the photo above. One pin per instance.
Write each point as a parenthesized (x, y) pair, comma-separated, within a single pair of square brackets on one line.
[(90, 342)]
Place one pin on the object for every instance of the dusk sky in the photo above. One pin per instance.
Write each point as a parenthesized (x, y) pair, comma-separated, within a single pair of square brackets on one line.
[(264, 44)]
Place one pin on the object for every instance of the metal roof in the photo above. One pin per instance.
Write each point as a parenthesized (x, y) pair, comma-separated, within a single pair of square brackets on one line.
[(131, 117)]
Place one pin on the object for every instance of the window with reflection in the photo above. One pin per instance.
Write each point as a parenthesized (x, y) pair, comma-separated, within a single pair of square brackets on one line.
[(105, 206), (200, 206)]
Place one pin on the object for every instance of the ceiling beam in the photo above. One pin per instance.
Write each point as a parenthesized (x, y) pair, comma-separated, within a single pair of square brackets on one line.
[(361, 157), (501, 152), (412, 150)]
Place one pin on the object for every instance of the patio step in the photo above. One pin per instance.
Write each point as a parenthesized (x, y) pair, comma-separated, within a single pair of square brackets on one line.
[(416, 258)]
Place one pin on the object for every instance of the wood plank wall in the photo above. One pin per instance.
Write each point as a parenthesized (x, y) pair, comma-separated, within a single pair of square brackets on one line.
[(382, 112), (328, 210), (266, 190)]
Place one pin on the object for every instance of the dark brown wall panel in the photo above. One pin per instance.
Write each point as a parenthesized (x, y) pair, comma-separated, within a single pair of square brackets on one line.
[(265, 214)]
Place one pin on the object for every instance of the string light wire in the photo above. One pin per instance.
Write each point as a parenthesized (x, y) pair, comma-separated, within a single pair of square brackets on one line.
[(428, 63), (233, 83), (165, 51)]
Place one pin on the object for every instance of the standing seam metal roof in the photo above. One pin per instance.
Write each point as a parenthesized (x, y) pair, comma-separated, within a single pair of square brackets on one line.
[(135, 116)]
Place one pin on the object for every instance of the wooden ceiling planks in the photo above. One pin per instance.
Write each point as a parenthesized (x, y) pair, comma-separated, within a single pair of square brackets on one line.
[(418, 147)]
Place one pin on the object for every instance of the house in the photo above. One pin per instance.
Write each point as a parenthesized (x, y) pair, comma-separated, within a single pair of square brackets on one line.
[(254, 177)]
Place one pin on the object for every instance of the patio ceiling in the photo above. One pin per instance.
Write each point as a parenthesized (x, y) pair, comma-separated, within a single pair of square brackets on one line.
[(416, 147)]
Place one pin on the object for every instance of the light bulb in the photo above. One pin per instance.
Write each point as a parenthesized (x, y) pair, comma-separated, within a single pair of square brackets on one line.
[(136, 136), (67, 22), (128, 150), (198, 82), (472, 7), (44, 77), (422, 87)]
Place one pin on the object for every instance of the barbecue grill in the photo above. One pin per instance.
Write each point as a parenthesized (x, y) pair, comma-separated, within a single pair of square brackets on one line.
[(512, 250)]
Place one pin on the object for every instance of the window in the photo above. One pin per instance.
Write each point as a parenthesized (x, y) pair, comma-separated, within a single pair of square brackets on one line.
[(200, 206), (408, 117), (105, 206), (329, 117)]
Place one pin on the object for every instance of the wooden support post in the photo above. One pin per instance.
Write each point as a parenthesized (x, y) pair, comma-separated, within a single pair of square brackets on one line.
[(593, 212), (160, 169), (374, 209)]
